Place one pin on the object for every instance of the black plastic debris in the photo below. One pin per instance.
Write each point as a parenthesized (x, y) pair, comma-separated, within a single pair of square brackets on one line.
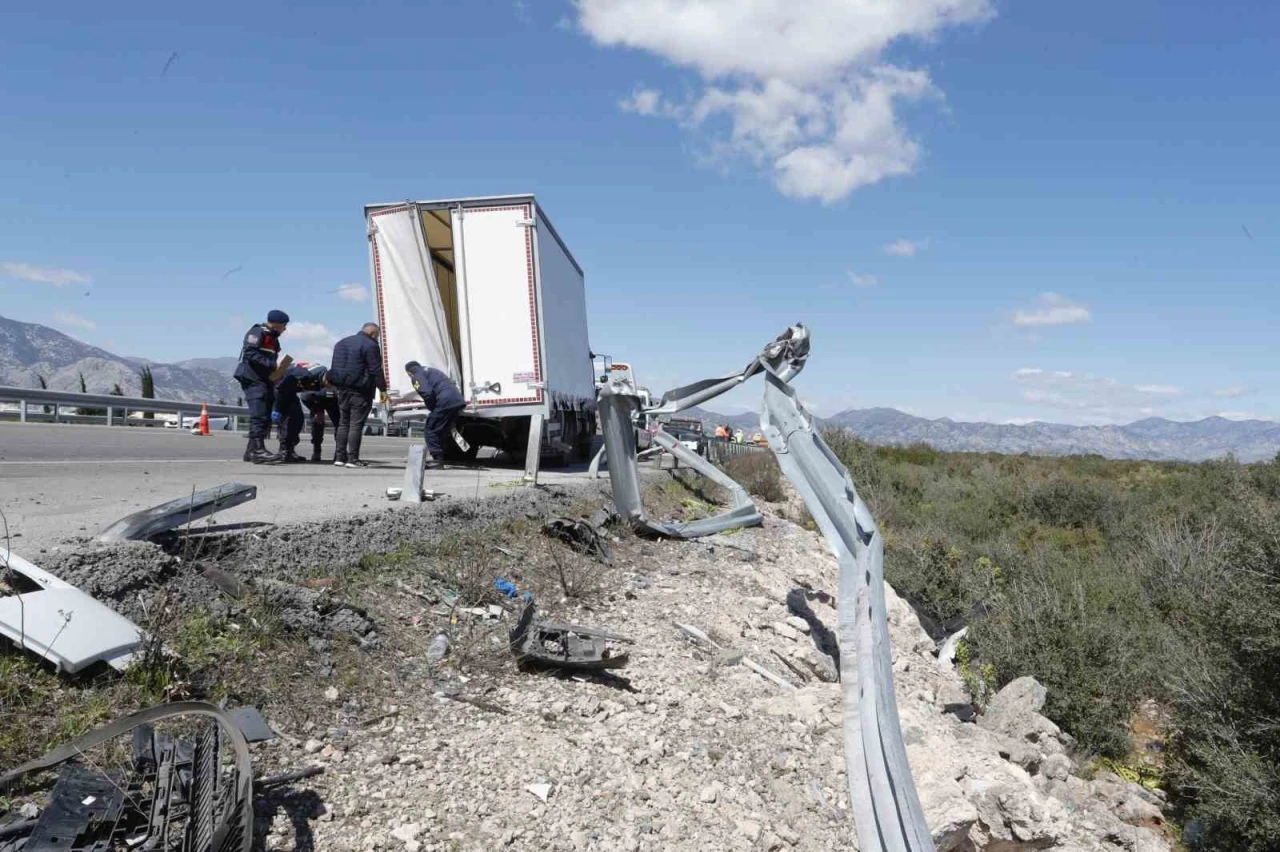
[(579, 535), (565, 646), (179, 795)]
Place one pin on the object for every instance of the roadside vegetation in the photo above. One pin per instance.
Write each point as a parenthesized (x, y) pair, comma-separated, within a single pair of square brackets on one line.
[(1145, 596)]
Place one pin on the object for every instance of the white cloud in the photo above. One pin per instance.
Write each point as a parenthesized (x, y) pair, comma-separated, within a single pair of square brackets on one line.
[(1159, 390), (644, 102), (353, 293), (862, 281), (1095, 399), (1232, 392), (42, 274), (1050, 310), (802, 83), (1239, 415), (74, 321), (903, 248), (309, 341)]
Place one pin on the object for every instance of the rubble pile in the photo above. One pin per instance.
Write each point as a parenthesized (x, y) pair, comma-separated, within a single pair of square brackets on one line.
[(688, 748)]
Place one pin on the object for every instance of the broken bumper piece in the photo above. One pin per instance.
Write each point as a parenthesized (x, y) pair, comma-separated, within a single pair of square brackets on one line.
[(565, 646), (66, 626), (149, 523)]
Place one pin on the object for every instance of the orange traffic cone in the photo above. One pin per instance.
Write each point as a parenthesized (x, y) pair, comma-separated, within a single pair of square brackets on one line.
[(204, 418)]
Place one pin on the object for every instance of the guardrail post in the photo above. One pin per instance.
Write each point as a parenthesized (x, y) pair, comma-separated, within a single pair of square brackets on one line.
[(110, 419), (22, 411), (55, 414)]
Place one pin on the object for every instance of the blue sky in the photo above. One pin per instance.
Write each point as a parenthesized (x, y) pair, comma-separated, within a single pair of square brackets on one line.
[(983, 210)]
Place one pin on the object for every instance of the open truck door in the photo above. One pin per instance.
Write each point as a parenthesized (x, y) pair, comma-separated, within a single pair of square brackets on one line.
[(415, 326)]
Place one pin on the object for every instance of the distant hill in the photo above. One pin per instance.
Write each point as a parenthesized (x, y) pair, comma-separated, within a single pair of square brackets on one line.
[(1152, 438), (28, 350)]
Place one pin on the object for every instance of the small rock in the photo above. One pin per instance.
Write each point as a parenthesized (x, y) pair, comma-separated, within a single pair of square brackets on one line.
[(798, 623), (729, 711), (312, 746), (749, 829), (29, 811), (542, 791), (407, 833), (388, 759), (709, 794), (1056, 767), (331, 694), (785, 630)]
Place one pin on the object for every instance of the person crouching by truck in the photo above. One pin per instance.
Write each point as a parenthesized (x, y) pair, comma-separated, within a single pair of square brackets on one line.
[(321, 404), (445, 402), (298, 383)]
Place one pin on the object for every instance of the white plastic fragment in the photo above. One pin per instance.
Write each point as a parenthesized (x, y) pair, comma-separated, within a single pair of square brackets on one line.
[(62, 624)]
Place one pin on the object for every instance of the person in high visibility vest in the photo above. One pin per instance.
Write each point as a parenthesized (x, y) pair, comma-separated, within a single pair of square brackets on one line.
[(739, 437)]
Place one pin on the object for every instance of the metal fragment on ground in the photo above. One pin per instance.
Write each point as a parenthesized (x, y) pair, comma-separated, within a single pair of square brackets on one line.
[(566, 646), (59, 622), (149, 523)]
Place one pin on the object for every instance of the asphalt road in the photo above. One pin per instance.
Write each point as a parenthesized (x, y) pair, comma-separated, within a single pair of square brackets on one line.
[(63, 481)]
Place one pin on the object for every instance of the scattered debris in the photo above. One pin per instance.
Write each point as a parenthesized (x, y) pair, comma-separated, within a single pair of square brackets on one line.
[(579, 535), (542, 791), (701, 637), (565, 646), (166, 517), (42, 614), (439, 649), (173, 794)]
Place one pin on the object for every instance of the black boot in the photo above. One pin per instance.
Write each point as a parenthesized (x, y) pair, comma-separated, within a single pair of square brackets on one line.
[(288, 456), (259, 454), (315, 453), (248, 449)]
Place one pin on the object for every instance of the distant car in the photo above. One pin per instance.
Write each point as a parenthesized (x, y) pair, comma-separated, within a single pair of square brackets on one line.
[(216, 424), (690, 440)]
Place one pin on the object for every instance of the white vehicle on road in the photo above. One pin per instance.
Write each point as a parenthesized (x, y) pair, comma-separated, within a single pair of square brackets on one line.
[(484, 290)]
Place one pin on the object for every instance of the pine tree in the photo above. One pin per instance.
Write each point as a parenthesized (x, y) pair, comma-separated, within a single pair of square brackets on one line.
[(148, 391), (44, 386)]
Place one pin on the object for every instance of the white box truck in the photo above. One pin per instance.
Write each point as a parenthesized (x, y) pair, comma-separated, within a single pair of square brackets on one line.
[(485, 290)]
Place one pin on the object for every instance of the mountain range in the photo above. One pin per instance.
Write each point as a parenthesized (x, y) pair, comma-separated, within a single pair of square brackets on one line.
[(1152, 438), (29, 351)]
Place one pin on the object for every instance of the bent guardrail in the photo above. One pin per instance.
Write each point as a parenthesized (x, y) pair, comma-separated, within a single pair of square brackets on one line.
[(886, 808), (27, 397)]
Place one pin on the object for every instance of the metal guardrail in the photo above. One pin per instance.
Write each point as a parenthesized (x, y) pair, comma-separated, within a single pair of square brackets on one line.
[(720, 450), (27, 398), (886, 808)]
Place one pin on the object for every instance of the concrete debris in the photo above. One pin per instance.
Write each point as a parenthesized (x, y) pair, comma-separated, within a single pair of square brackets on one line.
[(43, 614), (166, 517), (542, 791)]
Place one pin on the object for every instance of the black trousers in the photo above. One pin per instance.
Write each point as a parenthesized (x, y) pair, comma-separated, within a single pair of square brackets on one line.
[(354, 407), (291, 416), (319, 413), (259, 397), (436, 429)]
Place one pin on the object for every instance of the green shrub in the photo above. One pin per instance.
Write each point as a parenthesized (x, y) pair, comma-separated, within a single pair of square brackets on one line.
[(759, 474), (1111, 582)]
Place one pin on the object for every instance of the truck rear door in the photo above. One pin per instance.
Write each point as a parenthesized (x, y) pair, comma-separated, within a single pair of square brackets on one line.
[(410, 311), (496, 273)]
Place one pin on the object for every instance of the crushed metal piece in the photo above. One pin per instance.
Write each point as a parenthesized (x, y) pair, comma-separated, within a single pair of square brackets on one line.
[(565, 646), (149, 523)]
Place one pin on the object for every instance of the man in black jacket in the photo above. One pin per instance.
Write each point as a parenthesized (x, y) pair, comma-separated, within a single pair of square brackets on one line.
[(322, 404), (443, 398), (258, 354), (356, 372)]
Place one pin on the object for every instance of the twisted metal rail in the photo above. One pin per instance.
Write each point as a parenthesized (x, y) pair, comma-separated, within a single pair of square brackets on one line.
[(886, 808)]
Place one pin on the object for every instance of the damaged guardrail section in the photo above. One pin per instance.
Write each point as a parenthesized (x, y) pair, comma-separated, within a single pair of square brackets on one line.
[(886, 808)]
